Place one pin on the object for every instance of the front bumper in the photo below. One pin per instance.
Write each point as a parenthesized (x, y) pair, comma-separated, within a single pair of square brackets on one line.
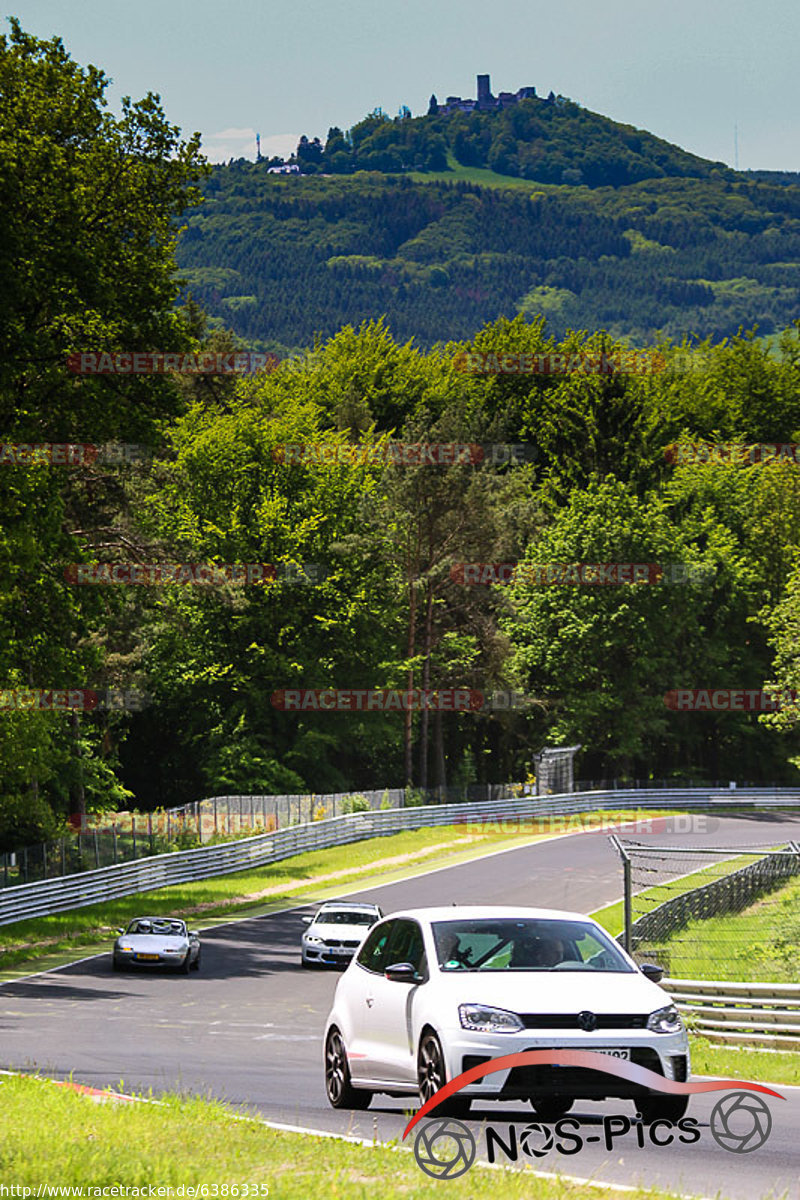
[(130, 958), (325, 956), (665, 1054)]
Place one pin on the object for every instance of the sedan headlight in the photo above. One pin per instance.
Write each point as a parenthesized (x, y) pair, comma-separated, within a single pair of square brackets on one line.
[(311, 939), (479, 1018), (174, 950), (665, 1020)]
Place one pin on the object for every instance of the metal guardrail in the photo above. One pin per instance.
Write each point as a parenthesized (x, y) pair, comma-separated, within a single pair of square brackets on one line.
[(743, 1014), (108, 883)]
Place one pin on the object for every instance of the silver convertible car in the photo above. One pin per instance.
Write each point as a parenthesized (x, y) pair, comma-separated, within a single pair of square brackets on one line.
[(157, 942)]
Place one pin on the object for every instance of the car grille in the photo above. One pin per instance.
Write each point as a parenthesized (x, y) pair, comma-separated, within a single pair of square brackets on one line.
[(577, 1081), (570, 1020), (339, 942)]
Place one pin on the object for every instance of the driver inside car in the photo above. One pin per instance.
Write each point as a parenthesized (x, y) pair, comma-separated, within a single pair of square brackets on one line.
[(536, 952)]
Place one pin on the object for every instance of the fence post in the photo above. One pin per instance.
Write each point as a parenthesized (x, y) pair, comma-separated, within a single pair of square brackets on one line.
[(5, 870), (44, 860), (25, 862), (114, 832), (133, 833), (150, 830), (96, 849), (216, 822)]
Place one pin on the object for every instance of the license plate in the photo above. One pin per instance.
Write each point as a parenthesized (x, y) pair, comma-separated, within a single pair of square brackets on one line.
[(613, 1052), (147, 957), (339, 950)]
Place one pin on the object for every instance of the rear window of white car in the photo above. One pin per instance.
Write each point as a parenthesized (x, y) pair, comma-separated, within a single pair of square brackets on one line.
[(525, 945)]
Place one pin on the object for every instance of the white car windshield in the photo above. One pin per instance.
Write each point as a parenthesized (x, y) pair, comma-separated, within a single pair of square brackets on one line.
[(524, 945), (342, 917), (160, 928)]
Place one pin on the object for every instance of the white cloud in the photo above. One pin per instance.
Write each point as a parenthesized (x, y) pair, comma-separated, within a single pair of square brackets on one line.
[(241, 143)]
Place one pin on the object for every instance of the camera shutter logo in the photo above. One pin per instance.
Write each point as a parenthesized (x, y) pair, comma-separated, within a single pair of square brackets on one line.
[(444, 1148), (587, 1020), (740, 1122), (536, 1140)]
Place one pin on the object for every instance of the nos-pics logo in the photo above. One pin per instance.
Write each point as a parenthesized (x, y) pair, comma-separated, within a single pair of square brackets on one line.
[(445, 1148)]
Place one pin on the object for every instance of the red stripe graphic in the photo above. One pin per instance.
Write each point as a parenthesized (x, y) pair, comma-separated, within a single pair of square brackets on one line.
[(582, 1058)]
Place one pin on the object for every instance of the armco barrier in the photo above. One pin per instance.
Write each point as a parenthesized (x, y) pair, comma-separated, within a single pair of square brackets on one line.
[(757, 1014), (143, 875)]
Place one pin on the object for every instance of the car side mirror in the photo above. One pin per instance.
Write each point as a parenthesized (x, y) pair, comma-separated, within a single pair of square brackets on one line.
[(193, 933), (652, 971), (120, 931), (306, 920), (402, 973)]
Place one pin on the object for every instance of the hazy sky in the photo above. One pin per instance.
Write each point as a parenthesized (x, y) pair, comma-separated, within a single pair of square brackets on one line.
[(687, 70)]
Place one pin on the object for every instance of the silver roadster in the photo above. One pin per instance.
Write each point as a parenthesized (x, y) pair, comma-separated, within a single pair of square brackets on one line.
[(157, 942)]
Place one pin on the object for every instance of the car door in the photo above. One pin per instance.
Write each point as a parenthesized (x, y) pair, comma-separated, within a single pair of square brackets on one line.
[(391, 1012), (358, 984)]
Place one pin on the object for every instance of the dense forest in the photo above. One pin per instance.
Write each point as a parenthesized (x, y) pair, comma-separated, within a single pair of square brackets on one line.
[(389, 608), (281, 260)]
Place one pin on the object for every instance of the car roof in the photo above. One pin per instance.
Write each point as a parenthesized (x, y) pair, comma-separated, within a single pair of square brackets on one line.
[(472, 912), (346, 906)]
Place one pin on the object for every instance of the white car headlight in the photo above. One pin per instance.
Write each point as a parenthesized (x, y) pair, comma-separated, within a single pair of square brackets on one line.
[(665, 1020), (311, 939), (174, 950), (480, 1018), (125, 946)]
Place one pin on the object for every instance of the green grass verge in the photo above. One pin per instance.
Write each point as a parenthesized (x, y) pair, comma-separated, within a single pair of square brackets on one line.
[(739, 1062), (49, 941), (52, 1135)]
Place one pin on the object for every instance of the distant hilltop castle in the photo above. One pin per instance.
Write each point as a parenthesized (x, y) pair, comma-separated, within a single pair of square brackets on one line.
[(486, 102)]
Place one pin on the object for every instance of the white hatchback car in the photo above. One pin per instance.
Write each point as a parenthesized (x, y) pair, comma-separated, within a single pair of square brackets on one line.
[(335, 932), (435, 991)]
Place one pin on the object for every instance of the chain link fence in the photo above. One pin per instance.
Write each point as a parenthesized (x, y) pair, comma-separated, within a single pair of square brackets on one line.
[(702, 913), (107, 840)]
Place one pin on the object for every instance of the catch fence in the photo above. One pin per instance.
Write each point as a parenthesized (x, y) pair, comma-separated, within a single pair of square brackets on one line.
[(679, 901)]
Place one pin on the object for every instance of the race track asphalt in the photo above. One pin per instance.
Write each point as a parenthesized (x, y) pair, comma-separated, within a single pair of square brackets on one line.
[(247, 1028)]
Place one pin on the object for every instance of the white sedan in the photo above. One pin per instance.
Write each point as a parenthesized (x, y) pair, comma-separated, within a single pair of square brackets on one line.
[(435, 991), (157, 942), (335, 932)]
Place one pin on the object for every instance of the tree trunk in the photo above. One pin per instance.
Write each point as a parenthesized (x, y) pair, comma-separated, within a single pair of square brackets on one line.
[(78, 791), (441, 777), (410, 647), (426, 683)]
